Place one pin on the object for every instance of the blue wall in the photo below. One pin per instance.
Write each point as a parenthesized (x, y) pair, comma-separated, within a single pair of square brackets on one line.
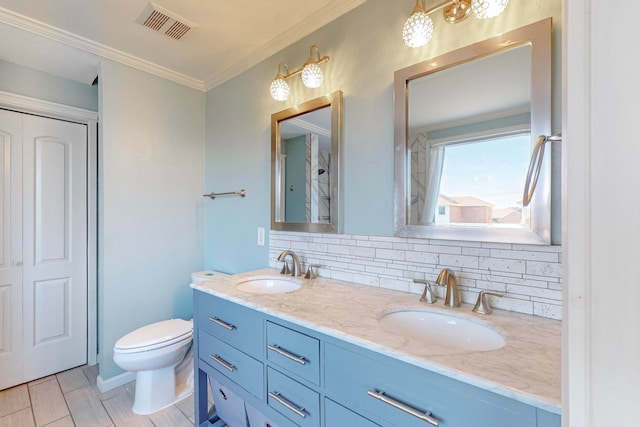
[(37, 84), (150, 200), (365, 47)]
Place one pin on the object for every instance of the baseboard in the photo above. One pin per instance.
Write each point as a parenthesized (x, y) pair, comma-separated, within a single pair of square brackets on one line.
[(114, 382)]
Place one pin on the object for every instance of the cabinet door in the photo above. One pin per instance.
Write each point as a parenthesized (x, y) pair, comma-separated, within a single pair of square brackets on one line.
[(547, 419), (232, 323), (242, 369), (294, 351), (395, 393), (293, 400), (338, 416)]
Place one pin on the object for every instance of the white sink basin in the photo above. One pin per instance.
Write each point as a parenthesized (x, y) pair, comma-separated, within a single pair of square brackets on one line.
[(268, 286), (443, 330)]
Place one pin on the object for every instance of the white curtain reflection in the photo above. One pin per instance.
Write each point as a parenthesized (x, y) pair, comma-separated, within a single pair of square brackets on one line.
[(432, 187)]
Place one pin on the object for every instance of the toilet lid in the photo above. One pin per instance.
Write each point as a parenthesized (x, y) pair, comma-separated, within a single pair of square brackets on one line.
[(156, 335)]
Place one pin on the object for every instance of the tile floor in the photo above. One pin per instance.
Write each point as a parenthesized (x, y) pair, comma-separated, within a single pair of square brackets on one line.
[(72, 399)]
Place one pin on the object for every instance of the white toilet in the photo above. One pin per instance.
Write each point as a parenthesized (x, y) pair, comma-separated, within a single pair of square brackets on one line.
[(162, 357)]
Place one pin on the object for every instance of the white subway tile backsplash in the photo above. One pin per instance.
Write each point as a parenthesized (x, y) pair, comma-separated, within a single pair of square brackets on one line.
[(461, 261), (422, 257), (391, 254), (530, 276), (476, 251), (502, 264), (534, 292), (551, 311), (525, 255), (374, 244), (544, 269)]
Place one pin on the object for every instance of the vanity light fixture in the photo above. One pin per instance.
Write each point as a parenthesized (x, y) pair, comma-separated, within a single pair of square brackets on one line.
[(312, 75), (418, 28)]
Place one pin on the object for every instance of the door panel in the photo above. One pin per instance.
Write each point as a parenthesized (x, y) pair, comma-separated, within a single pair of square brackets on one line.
[(52, 187), (43, 254), (11, 349), (55, 245), (52, 311)]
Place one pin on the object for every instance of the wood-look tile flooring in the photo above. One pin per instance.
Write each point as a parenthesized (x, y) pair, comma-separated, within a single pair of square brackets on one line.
[(72, 399)]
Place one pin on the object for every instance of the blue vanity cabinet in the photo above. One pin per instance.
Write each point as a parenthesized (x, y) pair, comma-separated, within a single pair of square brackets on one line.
[(236, 365), (403, 395), (296, 376), (547, 419), (294, 352), (337, 415), (232, 323), (292, 399)]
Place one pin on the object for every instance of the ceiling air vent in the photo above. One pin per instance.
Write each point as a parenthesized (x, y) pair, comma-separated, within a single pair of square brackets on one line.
[(159, 19)]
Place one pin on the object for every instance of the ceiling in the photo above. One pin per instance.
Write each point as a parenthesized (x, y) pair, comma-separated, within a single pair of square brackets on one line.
[(487, 87), (68, 37)]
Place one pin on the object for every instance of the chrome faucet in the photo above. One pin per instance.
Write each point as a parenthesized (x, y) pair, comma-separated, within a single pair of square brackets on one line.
[(448, 279), (295, 267)]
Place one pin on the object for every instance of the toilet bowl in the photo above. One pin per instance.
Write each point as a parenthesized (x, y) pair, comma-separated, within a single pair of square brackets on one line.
[(161, 355), (154, 352)]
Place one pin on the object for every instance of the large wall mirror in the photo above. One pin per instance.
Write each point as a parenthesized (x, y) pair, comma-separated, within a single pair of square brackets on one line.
[(306, 150), (465, 125)]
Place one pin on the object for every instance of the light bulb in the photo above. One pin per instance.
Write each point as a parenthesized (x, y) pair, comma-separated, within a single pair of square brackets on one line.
[(312, 75), (279, 89), (418, 29), (485, 9)]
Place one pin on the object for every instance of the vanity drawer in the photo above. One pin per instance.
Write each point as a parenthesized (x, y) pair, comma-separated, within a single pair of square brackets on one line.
[(234, 364), (293, 400), (294, 351), (389, 391), (338, 415), (232, 323)]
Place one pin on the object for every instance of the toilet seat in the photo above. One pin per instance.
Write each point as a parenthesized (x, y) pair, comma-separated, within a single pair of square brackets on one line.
[(155, 335)]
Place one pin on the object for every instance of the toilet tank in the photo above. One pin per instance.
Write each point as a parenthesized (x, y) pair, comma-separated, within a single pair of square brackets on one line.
[(203, 276)]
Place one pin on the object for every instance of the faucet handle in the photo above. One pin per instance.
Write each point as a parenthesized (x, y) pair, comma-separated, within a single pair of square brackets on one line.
[(482, 305), (285, 268), (310, 274), (428, 295)]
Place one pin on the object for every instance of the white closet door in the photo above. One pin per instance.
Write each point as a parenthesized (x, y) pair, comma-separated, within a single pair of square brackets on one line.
[(11, 348), (54, 245), (43, 260)]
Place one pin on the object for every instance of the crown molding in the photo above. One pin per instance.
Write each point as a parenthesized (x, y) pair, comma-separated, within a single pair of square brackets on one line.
[(36, 106), (40, 28), (301, 29)]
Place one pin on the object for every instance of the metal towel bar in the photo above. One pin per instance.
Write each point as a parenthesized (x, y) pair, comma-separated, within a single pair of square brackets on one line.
[(535, 165), (241, 193)]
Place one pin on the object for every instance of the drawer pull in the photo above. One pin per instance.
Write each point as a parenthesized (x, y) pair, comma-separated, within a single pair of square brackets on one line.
[(299, 411), (424, 416), (222, 323), (300, 359), (228, 366)]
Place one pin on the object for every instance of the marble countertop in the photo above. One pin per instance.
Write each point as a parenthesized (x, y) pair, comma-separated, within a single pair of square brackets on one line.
[(526, 369)]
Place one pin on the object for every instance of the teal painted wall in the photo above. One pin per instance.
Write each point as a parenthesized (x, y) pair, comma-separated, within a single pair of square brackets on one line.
[(150, 202), (37, 84), (365, 47)]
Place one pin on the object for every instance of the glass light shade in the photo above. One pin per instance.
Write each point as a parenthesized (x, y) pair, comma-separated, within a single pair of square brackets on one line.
[(279, 89), (485, 9), (312, 75), (417, 30)]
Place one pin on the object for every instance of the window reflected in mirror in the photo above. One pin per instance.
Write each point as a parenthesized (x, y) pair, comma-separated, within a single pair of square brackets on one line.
[(474, 183)]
